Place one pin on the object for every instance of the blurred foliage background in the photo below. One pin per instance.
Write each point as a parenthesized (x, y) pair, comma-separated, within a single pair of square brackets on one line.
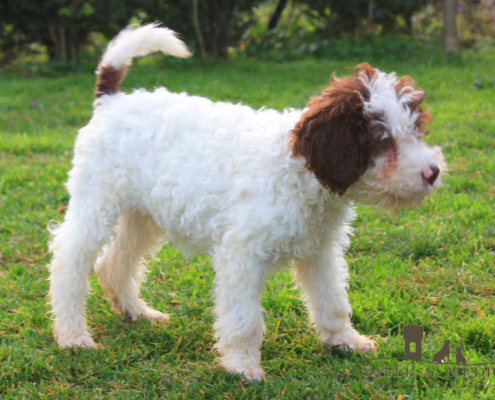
[(54, 36)]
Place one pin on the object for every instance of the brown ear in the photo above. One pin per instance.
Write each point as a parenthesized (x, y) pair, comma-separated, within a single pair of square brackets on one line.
[(334, 134)]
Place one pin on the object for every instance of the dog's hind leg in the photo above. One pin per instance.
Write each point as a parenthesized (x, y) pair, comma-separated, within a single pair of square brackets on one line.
[(121, 268), (87, 227)]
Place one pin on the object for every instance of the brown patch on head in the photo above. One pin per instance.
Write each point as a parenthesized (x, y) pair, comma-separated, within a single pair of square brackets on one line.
[(334, 135), (365, 69), (109, 80), (424, 119), (407, 85)]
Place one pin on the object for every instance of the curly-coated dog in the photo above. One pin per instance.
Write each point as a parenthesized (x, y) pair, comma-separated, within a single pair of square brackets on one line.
[(253, 189)]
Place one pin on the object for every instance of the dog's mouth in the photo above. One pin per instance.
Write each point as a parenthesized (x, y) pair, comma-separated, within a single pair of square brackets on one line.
[(396, 203), (387, 198), (408, 199)]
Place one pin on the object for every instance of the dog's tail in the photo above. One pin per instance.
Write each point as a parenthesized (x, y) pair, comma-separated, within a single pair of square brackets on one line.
[(132, 43)]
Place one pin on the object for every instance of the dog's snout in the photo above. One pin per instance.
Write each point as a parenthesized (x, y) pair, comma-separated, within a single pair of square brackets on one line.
[(430, 174)]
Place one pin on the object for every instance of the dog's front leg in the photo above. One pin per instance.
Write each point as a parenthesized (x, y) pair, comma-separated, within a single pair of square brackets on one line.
[(323, 281), (239, 326)]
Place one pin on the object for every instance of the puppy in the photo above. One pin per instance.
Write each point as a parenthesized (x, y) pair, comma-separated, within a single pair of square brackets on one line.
[(253, 189)]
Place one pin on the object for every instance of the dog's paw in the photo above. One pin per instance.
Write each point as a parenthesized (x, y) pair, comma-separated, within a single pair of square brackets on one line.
[(250, 373), (83, 341), (154, 315), (351, 340), (148, 313), (248, 367), (254, 374)]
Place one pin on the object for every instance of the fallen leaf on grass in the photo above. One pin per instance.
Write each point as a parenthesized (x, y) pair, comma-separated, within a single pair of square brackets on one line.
[(434, 300)]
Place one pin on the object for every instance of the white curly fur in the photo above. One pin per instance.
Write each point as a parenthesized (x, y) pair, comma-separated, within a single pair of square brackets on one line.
[(131, 43), (217, 179)]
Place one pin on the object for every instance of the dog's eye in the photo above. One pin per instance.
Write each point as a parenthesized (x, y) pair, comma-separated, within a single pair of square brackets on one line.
[(385, 143)]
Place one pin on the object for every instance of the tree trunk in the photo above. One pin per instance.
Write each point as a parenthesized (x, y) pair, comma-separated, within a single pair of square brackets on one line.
[(197, 28), (55, 42), (449, 18), (63, 45), (277, 14), (61, 48), (409, 23), (369, 20)]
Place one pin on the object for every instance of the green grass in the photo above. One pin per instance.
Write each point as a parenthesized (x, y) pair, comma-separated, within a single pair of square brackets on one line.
[(434, 265)]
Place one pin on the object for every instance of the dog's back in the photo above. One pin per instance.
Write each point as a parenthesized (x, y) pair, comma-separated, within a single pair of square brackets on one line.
[(151, 151)]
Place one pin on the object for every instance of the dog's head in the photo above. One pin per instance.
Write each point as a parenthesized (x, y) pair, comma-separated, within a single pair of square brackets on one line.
[(362, 137)]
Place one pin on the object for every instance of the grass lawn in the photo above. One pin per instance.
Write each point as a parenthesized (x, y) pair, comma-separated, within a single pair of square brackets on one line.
[(433, 266)]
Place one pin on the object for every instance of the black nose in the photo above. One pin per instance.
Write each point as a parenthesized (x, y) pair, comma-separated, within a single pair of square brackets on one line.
[(433, 177)]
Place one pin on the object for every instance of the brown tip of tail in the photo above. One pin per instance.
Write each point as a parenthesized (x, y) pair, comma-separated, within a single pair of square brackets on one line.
[(109, 80)]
